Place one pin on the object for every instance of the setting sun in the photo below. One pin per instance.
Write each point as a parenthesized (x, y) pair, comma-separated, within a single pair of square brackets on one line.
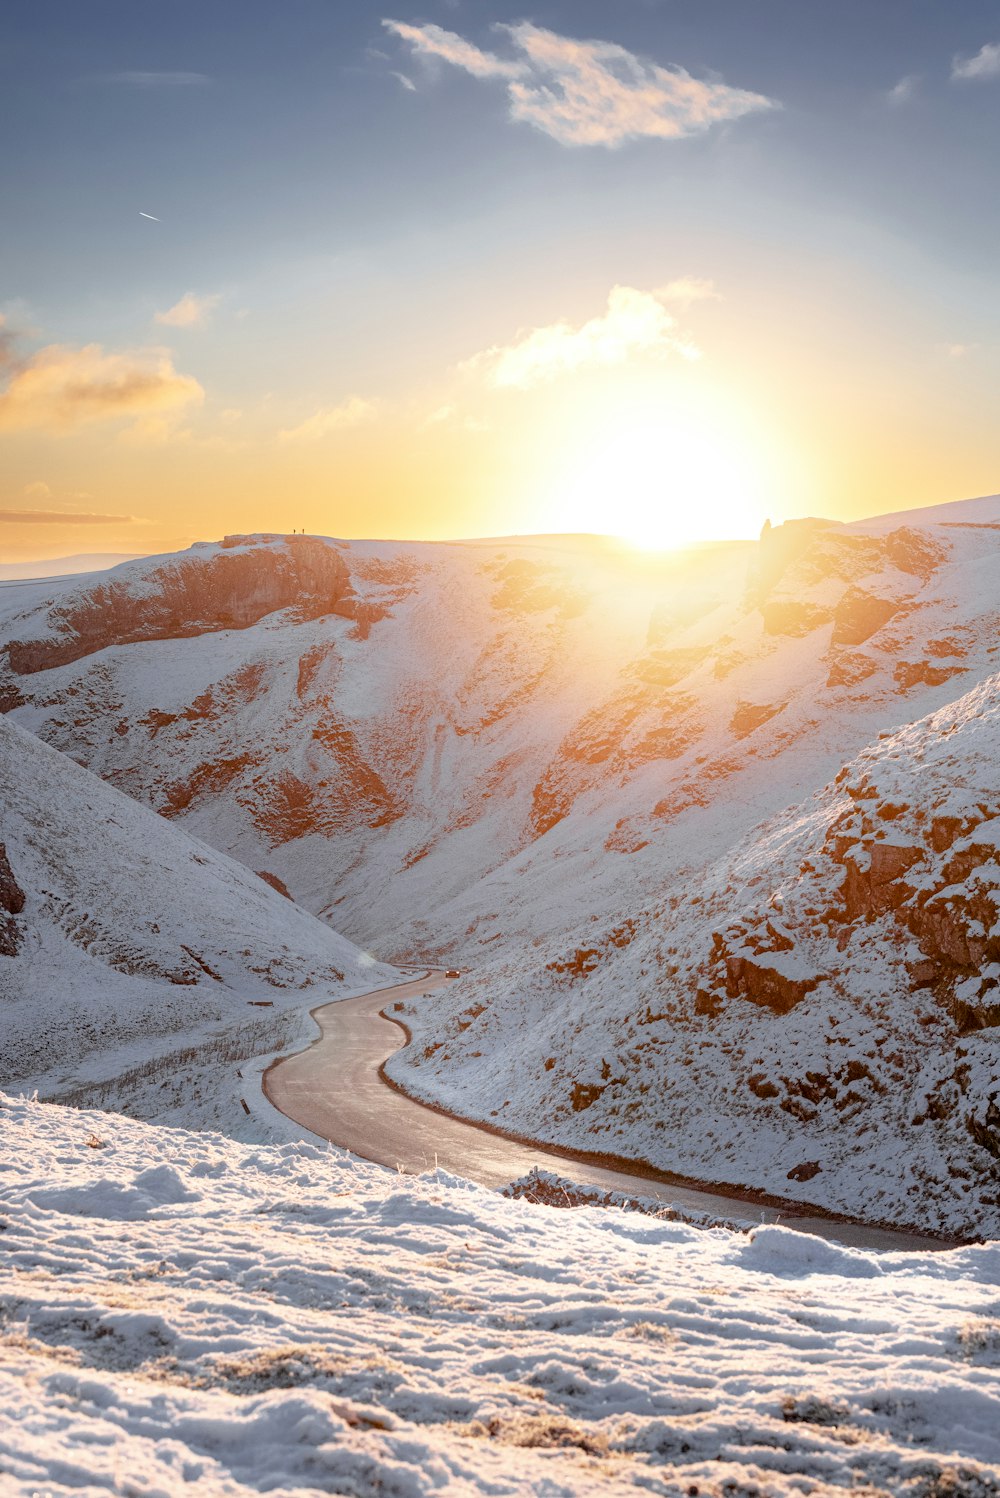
[(659, 485)]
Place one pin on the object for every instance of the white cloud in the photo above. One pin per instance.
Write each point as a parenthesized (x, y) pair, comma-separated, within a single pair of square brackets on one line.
[(324, 423), (588, 92), (190, 312), (985, 64), (634, 324), (434, 41), (903, 91), (60, 388)]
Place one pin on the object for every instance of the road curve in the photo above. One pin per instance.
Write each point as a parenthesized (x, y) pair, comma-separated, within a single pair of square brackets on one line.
[(335, 1088)]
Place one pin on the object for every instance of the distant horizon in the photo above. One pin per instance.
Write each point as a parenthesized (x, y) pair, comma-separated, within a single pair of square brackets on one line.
[(39, 568)]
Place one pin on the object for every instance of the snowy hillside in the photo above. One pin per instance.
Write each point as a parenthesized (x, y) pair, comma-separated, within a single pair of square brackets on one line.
[(588, 776), (121, 938), (182, 1311), (827, 993)]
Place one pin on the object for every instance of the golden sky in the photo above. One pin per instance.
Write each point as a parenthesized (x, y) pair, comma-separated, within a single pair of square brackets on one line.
[(482, 277)]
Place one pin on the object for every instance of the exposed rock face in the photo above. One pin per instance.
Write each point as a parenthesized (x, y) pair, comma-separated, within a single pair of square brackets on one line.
[(11, 904), (751, 715), (860, 615), (757, 963), (275, 883), (229, 589), (942, 887), (764, 983)]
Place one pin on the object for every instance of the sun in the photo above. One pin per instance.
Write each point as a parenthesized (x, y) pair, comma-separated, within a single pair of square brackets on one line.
[(659, 485)]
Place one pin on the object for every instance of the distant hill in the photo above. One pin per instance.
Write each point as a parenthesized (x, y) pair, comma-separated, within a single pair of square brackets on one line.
[(87, 561)]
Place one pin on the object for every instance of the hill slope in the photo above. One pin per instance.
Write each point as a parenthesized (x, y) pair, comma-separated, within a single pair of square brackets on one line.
[(120, 935), (561, 763)]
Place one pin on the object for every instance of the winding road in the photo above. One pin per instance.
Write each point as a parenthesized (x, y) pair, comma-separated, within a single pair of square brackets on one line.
[(336, 1088)]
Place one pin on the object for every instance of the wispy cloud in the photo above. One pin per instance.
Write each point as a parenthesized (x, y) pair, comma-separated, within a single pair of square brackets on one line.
[(190, 312), (62, 517), (140, 79), (903, 91), (587, 93), (435, 41), (324, 423), (60, 388), (634, 324), (984, 65)]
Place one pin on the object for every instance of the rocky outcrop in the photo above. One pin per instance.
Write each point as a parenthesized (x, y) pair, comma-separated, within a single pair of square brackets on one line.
[(275, 883), (749, 716), (859, 615), (941, 884), (910, 674), (792, 617), (756, 961), (192, 595), (11, 905), (768, 981)]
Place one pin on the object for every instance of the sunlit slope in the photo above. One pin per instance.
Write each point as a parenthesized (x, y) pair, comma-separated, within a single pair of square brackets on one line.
[(526, 754), (816, 1012), (393, 727), (119, 933)]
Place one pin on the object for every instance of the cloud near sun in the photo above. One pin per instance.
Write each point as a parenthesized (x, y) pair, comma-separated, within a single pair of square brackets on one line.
[(60, 388), (635, 323), (588, 93)]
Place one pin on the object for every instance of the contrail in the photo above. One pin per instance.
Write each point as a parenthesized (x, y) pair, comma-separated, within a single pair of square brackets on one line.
[(150, 215)]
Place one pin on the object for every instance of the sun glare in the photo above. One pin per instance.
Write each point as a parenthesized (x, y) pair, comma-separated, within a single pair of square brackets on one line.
[(660, 487)]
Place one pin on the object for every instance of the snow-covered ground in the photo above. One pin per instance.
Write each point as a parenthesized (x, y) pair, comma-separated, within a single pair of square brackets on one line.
[(139, 967), (182, 1313)]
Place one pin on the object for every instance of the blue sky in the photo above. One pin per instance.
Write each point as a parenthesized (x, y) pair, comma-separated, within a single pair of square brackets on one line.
[(358, 215)]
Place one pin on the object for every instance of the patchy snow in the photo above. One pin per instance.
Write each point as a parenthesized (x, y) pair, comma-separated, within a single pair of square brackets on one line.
[(183, 1313)]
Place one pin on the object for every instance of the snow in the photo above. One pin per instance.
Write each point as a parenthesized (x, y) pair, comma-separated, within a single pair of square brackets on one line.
[(185, 1313), (136, 941), (566, 770)]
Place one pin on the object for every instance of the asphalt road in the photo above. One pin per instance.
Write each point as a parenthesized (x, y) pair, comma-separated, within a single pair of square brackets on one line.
[(335, 1090)]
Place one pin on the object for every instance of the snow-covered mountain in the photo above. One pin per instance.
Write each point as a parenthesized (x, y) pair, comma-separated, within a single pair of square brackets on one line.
[(122, 939), (596, 778)]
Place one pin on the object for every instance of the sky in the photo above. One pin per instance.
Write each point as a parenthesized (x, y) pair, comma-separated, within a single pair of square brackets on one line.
[(664, 269)]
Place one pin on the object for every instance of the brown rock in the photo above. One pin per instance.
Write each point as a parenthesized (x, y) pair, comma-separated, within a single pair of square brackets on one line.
[(860, 615), (847, 670), (11, 904), (750, 716), (788, 617), (275, 883), (192, 595), (751, 978), (805, 1171), (922, 674), (584, 1094)]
